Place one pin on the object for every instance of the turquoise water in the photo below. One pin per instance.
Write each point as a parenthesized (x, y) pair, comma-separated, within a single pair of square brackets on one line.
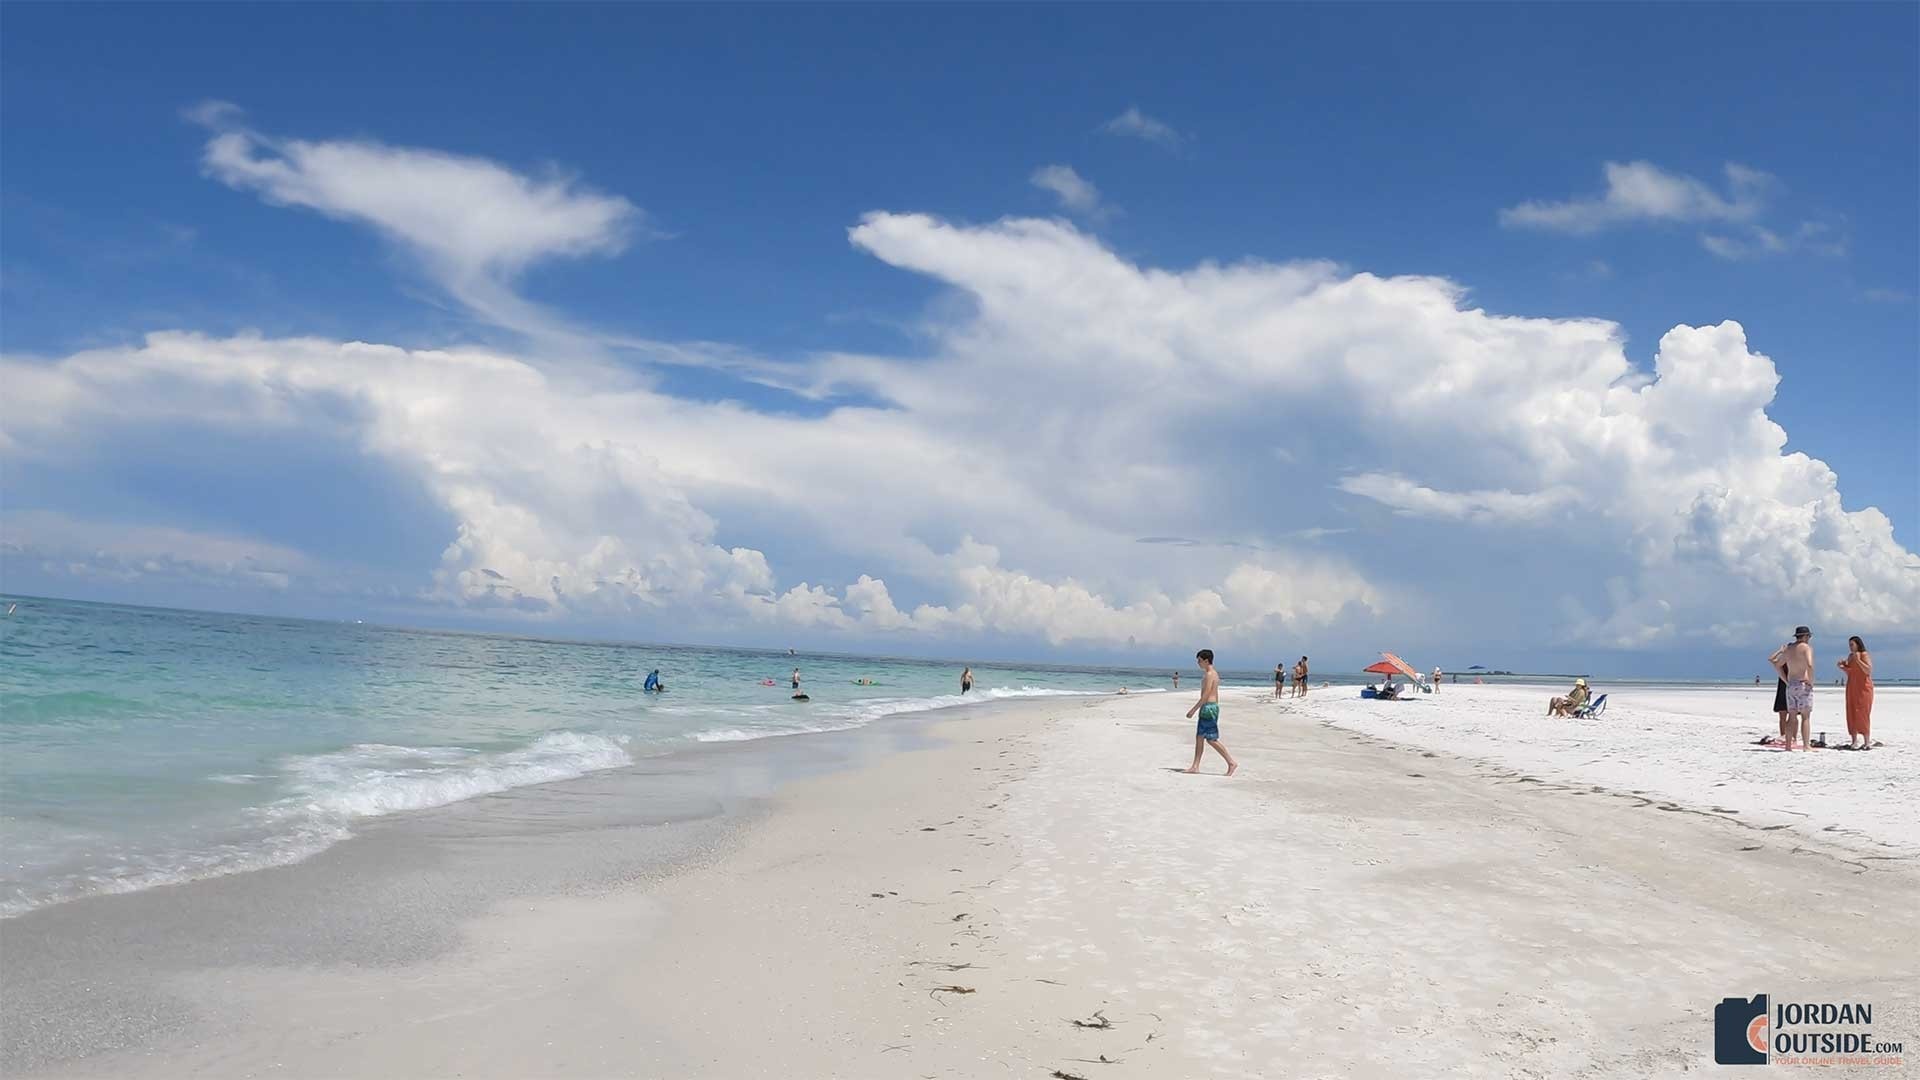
[(140, 746)]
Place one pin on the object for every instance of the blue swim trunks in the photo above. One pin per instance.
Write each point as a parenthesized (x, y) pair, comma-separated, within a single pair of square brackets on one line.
[(1210, 721)]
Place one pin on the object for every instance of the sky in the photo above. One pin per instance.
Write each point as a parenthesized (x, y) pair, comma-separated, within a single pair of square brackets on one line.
[(1546, 337)]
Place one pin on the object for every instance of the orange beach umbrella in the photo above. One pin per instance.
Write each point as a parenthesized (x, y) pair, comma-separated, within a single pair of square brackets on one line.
[(1399, 665)]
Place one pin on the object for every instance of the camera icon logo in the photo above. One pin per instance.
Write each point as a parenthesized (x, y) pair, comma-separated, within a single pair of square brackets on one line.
[(1740, 1031)]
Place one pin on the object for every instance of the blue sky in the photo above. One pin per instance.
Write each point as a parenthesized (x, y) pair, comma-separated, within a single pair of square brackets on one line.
[(1767, 162)]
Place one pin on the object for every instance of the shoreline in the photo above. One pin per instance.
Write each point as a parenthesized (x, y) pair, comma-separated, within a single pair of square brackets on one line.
[(1342, 907), (247, 848), (92, 974)]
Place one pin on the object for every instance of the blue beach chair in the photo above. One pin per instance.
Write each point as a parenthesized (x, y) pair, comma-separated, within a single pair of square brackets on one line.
[(1592, 709)]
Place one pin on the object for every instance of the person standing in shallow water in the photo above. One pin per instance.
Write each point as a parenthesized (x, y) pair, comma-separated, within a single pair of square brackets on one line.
[(1208, 732), (966, 680), (1859, 668), (1176, 680)]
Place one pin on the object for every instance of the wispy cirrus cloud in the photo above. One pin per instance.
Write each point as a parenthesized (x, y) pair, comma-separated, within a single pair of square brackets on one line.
[(1135, 124), (1076, 193), (1413, 499), (1639, 192), (1642, 193), (1758, 241), (472, 225)]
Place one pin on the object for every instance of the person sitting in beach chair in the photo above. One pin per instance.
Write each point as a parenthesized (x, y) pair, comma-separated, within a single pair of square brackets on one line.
[(1592, 709), (1564, 706)]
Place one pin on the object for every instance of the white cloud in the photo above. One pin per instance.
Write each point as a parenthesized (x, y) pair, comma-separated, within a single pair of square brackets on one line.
[(1888, 296), (1502, 506), (1640, 191), (1138, 125), (573, 498), (1076, 193), (1724, 246), (1077, 403), (473, 225), (1754, 241)]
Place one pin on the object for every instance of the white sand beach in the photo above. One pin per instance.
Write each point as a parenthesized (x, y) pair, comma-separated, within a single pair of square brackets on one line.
[(1444, 886), (1694, 746)]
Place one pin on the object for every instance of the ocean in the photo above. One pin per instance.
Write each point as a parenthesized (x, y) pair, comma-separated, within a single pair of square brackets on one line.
[(143, 747)]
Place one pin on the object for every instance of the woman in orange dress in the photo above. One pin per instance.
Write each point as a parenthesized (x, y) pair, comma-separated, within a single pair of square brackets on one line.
[(1859, 668)]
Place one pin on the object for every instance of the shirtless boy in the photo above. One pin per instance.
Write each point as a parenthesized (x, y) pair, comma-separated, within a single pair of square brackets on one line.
[(1208, 733)]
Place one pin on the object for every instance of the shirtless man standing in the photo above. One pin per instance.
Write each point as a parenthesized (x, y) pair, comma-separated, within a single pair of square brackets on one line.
[(1208, 732), (1300, 678), (1798, 662)]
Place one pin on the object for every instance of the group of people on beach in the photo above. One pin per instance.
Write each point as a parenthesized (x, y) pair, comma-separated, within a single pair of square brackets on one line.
[(1299, 678), (1793, 693)]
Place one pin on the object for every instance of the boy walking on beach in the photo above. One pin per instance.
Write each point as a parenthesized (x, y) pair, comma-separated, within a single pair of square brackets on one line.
[(1208, 733)]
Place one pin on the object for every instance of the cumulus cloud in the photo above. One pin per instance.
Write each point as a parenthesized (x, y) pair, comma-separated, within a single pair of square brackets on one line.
[(1076, 193), (1680, 468), (1640, 191), (575, 498), (1344, 443), (1138, 125), (473, 225)]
